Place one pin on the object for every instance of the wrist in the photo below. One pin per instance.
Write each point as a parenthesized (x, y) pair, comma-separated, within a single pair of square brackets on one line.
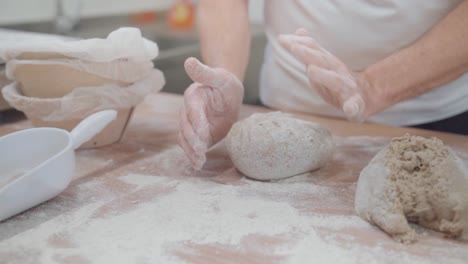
[(374, 95)]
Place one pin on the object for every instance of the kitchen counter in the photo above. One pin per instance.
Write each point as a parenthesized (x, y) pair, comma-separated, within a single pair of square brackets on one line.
[(138, 201)]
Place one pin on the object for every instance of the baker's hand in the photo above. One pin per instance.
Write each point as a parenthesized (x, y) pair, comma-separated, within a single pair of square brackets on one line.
[(334, 82), (211, 106)]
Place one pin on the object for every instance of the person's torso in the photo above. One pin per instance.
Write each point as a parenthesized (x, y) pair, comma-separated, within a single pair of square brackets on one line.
[(360, 33)]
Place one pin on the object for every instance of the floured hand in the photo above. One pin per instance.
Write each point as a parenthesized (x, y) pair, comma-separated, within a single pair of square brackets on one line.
[(335, 83), (211, 106)]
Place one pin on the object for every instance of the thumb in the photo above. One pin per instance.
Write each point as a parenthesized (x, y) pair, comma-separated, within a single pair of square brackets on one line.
[(353, 108), (201, 73)]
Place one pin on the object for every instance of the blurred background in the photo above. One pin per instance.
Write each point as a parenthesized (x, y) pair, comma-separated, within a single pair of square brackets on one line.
[(170, 23)]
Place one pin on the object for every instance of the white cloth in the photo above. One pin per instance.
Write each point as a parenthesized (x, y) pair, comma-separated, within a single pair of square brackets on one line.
[(360, 33), (124, 43)]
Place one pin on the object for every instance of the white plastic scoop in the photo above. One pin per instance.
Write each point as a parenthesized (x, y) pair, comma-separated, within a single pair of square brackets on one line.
[(37, 164)]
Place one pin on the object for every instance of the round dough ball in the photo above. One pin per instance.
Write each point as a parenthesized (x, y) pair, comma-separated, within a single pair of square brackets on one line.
[(275, 145), (418, 180)]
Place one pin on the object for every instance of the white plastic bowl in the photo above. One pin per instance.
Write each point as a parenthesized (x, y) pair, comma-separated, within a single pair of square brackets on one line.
[(37, 164)]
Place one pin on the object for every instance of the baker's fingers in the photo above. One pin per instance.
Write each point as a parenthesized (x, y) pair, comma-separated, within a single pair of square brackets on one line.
[(339, 83), (203, 74), (310, 56), (184, 132), (193, 147), (195, 101), (189, 153), (195, 160), (287, 41), (334, 88), (327, 95), (216, 101), (301, 32), (187, 132), (338, 90), (308, 51), (192, 138)]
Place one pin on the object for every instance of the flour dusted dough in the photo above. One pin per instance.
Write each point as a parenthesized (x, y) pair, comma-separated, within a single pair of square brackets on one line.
[(416, 180), (275, 145)]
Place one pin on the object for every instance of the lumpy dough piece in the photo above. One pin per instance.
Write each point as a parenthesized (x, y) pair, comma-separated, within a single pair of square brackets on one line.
[(416, 180), (275, 145)]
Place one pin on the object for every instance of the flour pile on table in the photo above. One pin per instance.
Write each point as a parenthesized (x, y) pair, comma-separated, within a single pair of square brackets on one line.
[(214, 217), (195, 215)]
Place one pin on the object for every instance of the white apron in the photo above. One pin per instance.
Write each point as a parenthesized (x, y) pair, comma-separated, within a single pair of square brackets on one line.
[(360, 33)]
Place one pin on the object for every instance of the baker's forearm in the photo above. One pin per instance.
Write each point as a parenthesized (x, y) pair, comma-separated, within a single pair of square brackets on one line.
[(438, 57), (225, 34)]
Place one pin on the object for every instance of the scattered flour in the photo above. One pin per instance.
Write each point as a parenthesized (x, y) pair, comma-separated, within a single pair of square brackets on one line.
[(134, 215)]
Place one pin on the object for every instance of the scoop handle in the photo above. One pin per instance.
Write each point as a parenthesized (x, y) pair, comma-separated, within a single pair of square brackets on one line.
[(91, 126)]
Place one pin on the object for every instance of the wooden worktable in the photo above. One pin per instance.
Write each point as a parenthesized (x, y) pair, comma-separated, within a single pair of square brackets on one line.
[(138, 201)]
